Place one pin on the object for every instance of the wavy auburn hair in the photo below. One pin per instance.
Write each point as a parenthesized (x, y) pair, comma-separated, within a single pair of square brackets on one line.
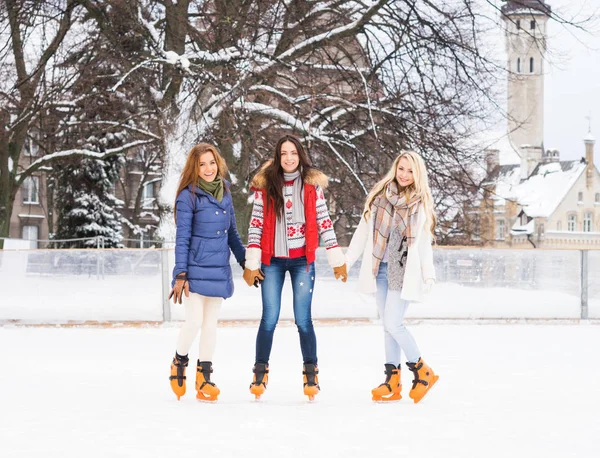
[(191, 169)]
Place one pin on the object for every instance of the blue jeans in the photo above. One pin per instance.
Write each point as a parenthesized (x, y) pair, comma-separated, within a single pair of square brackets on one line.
[(303, 283), (396, 337)]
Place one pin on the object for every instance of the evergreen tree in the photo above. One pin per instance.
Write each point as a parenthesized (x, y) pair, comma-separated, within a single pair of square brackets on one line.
[(86, 206)]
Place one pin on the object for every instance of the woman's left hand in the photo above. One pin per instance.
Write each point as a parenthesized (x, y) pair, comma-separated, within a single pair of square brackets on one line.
[(341, 272), (428, 285)]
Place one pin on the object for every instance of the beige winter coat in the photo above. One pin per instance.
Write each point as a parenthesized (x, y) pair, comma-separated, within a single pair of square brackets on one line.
[(419, 265)]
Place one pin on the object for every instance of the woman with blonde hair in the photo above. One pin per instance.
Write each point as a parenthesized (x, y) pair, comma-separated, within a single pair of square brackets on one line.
[(395, 233), (202, 278)]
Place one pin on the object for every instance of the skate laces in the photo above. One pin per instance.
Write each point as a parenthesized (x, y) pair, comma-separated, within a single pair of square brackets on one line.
[(414, 368), (259, 374), (180, 364), (310, 372), (388, 376), (205, 370)]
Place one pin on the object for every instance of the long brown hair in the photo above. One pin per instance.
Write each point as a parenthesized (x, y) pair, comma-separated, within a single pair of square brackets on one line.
[(191, 169), (274, 173)]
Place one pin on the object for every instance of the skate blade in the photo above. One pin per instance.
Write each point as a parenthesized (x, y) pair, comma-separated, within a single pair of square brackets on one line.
[(204, 398), (383, 400)]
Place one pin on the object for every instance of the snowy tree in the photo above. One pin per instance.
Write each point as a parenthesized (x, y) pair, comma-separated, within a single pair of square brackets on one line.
[(103, 119), (85, 205), (358, 81), (36, 93)]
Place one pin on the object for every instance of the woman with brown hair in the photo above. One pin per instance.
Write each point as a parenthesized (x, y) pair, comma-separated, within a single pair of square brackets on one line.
[(202, 278), (288, 216)]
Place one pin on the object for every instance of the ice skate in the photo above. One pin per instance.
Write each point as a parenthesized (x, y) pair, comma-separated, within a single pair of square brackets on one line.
[(311, 381), (206, 390), (177, 378), (260, 380), (424, 379), (391, 388)]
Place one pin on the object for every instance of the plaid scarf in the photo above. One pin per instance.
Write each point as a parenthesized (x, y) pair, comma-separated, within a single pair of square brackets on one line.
[(391, 210)]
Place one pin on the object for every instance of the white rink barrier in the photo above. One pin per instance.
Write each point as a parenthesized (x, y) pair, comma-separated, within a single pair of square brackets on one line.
[(57, 286)]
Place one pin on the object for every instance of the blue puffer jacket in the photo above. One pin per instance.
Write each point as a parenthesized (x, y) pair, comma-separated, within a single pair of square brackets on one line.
[(206, 230)]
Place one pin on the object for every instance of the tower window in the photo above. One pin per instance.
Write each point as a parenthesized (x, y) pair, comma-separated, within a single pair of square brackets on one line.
[(597, 198), (531, 65), (518, 24), (518, 65), (532, 25)]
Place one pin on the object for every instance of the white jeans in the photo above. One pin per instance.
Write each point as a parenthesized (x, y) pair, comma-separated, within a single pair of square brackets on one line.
[(391, 312), (200, 312)]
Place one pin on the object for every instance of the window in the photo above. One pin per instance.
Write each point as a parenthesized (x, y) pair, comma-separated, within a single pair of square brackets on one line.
[(572, 222), (532, 25), (597, 198), (518, 65), (579, 196), (531, 65), (500, 229), (524, 219), (148, 195), (30, 233), (518, 24), (587, 222), (32, 143), (476, 229), (30, 190), (559, 226)]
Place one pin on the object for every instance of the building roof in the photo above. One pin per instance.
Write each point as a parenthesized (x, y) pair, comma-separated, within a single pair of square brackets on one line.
[(541, 193), (526, 7)]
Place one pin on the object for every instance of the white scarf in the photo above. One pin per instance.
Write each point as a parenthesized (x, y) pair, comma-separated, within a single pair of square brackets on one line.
[(281, 245)]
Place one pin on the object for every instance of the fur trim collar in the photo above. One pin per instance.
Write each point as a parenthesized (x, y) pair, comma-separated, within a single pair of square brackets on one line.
[(314, 177)]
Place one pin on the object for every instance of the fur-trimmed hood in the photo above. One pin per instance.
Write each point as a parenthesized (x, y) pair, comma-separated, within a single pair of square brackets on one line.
[(314, 177)]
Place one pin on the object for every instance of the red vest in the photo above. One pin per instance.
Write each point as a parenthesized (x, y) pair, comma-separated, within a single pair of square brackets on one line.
[(267, 241)]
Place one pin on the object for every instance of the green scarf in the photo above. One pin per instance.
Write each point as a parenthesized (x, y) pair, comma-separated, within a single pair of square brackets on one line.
[(214, 188)]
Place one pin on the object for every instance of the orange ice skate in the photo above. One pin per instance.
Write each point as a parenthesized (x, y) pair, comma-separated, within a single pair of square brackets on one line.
[(390, 389), (311, 381), (260, 379), (424, 379), (177, 378), (206, 390)]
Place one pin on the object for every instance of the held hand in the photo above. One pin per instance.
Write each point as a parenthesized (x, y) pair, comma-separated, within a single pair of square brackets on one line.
[(181, 287), (341, 272), (253, 277), (428, 285)]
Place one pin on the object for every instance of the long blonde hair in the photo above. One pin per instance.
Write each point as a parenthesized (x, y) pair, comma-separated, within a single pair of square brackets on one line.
[(420, 187), (191, 169)]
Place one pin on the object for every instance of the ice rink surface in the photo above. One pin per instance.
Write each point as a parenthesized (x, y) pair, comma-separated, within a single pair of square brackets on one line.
[(505, 390)]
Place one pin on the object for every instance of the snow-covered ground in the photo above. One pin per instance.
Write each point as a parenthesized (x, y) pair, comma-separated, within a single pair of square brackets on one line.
[(504, 391)]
